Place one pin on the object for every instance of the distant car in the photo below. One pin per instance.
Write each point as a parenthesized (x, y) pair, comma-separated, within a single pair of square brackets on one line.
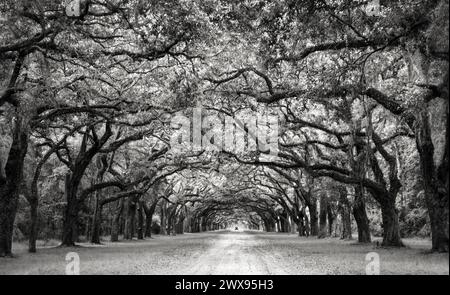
[(236, 228)]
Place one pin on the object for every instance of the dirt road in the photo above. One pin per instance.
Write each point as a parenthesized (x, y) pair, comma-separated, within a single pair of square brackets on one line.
[(237, 253), (229, 252)]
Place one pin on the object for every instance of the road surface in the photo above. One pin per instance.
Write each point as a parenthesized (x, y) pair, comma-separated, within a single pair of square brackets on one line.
[(228, 253), (240, 253)]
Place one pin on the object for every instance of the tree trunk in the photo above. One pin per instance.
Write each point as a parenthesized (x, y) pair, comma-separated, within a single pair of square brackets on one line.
[(8, 208), (70, 226), (437, 202), (314, 222), (163, 218), (174, 226), (130, 209), (299, 220), (170, 220), (97, 221), (33, 200), (195, 224), (284, 223), (140, 229), (116, 222), (148, 225), (391, 228), (73, 180), (278, 224), (33, 235), (360, 215), (149, 218), (344, 208), (203, 224), (323, 216), (87, 225), (293, 225), (266, 225), (307, 225), (302, 230), (331, 218), (10, 185), (435, 182), (181, 224)]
